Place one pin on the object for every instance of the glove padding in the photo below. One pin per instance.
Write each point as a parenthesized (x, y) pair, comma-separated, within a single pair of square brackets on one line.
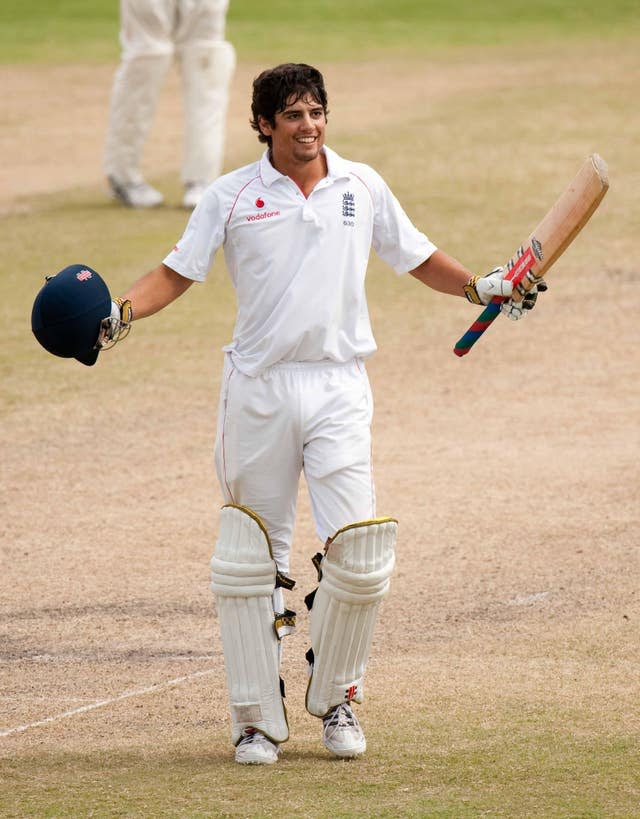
[(482, 289), (518, 309)]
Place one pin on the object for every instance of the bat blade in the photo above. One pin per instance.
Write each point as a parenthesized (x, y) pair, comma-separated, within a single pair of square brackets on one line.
[(547, 243)]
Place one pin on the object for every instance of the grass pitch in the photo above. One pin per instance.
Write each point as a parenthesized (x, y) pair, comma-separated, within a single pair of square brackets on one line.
[(283, 30)]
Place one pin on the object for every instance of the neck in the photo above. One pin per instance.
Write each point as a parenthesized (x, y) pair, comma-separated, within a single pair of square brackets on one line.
[(306, 174)]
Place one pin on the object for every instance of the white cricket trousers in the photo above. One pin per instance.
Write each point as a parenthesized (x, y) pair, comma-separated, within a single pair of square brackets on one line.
[(311, 418)]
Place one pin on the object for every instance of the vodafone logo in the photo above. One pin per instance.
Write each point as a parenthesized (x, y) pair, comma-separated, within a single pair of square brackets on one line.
[(266, 215), (259, 203)]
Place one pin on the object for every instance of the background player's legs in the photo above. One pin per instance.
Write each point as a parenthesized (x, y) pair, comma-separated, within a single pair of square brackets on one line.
[(147, 50), (207, 63)]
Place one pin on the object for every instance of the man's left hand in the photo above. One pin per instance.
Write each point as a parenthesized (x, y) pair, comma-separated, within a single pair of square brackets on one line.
[(516, 310)]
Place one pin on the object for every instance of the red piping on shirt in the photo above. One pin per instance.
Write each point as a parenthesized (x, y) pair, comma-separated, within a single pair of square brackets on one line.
[(235, 201)]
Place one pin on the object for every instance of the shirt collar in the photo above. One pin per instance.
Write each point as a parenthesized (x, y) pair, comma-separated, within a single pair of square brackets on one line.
[(268, 173), (336, 167)]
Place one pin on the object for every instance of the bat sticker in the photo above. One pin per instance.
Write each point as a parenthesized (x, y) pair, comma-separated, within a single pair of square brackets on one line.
[(537, 248)]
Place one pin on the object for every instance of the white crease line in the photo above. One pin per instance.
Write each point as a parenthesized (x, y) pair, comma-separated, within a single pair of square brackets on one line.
[(84, 658), (101, 703)]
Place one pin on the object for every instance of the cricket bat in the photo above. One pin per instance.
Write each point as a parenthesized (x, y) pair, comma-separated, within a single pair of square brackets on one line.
[(547, 243)]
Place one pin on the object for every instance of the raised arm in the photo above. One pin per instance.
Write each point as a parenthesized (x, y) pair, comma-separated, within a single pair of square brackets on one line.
[(156, 290), (447, 275), (443, 273)]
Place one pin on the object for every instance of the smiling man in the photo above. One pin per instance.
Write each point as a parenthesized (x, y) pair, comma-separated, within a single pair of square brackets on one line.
[(297, 227), (294, 128)]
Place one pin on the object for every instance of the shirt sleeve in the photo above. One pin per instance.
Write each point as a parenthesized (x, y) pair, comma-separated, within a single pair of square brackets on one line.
[(395, 238), (193, 254)]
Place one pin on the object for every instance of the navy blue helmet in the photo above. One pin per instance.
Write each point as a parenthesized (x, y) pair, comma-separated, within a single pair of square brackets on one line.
[(69, 313)]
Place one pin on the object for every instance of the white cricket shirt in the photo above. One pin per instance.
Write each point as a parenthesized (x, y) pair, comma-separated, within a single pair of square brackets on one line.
[(298, 265)]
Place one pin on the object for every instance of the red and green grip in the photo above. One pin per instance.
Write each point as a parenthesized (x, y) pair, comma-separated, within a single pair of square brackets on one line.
[(518, 270)]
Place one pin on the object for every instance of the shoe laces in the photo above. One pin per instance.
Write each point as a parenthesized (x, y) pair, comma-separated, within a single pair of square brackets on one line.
[(341, 717), (250, 736)]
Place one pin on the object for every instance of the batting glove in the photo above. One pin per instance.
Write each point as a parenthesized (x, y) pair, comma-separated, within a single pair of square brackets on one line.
[(482, 289), (516, 310), (116, 326)]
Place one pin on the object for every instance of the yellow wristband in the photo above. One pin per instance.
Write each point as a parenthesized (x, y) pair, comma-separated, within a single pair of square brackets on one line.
[(126, 310), (471, 291)]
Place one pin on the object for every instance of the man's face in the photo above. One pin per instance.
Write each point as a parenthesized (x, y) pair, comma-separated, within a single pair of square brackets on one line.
[(299, 130)]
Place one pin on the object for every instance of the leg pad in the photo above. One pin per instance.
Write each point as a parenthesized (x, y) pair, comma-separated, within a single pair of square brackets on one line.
[(243, 581), (355, 576)]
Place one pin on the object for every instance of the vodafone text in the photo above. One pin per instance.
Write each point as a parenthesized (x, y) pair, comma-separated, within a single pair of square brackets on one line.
[(267, 215)]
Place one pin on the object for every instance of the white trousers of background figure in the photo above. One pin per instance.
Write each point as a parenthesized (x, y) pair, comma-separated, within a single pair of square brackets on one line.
[(152, 33), (311, 418)]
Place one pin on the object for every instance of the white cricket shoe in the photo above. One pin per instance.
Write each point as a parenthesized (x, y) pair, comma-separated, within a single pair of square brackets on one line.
[(342, 734), (193, 193), (255, 749), (136, 195)]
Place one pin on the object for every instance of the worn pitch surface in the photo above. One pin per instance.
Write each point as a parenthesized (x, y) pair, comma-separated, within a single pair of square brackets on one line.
[(513, 472)]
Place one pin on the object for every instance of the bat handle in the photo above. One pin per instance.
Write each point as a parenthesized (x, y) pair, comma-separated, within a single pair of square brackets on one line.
[(488, 315)]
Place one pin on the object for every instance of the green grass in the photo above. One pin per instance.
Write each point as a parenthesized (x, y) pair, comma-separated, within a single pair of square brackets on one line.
[(53, 31), (454, 770), (76, 31)]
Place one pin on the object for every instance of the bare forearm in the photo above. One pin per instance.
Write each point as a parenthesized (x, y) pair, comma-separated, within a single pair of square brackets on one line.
[(443, 273), (156, 290)]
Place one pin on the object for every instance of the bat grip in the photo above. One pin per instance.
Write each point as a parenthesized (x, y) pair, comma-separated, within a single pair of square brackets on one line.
[(516, 275), (482, 323)]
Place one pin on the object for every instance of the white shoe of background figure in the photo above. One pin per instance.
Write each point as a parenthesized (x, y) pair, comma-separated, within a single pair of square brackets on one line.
[(136, 195), (193, 194), (255, 749), (342, 734)]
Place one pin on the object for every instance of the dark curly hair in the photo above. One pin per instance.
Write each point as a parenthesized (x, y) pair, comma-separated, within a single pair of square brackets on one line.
[(276, 87)]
